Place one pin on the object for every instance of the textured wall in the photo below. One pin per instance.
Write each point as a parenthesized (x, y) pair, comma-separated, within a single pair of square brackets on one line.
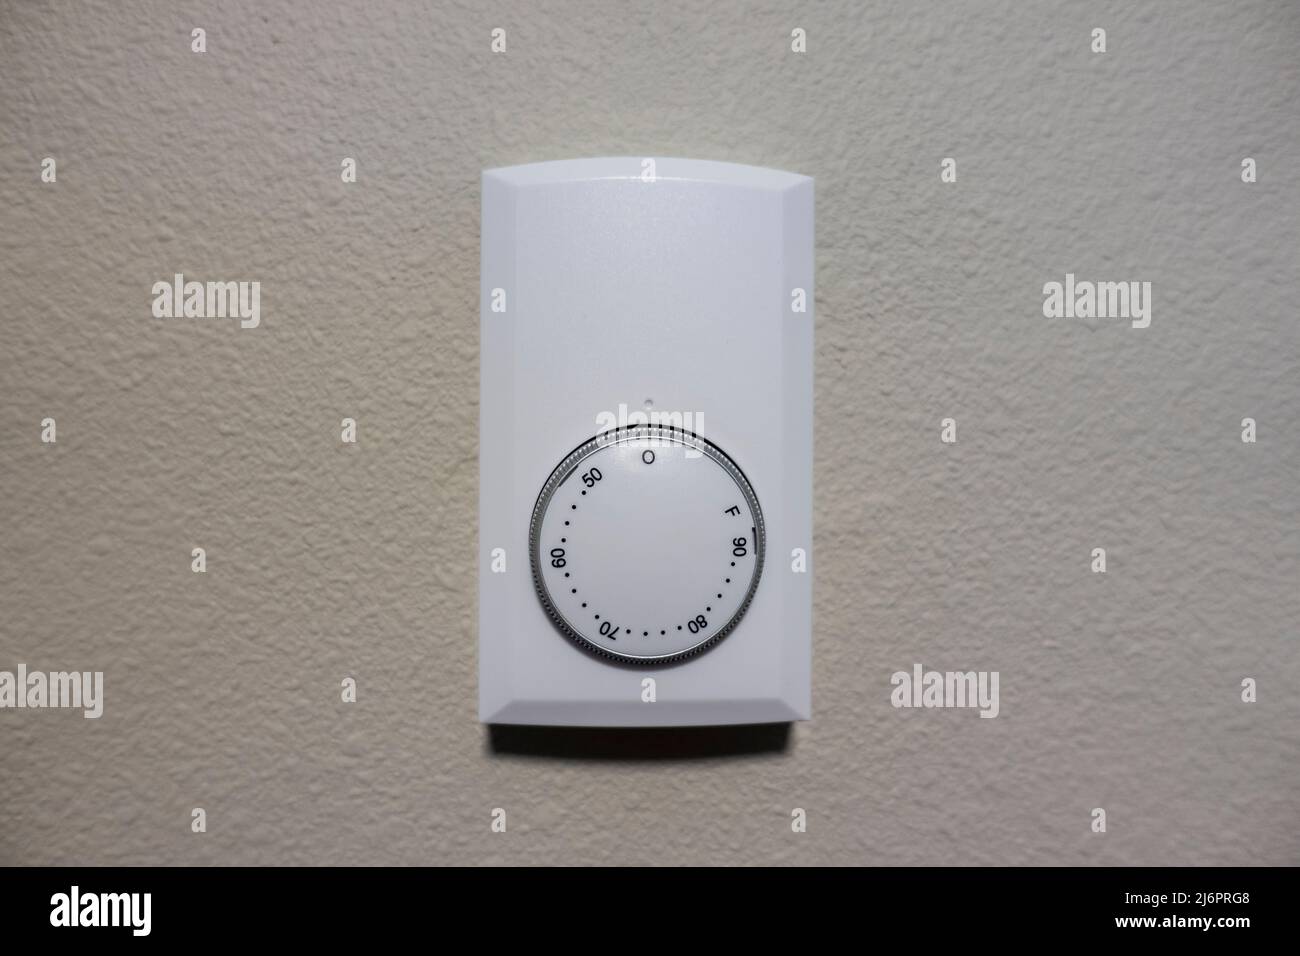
[(1118, 690)]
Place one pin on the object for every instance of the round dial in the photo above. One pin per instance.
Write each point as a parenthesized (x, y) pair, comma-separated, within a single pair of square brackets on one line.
[(646, 545)]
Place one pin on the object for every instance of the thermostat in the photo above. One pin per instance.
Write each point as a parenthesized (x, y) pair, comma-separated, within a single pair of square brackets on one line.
[(645, 457)]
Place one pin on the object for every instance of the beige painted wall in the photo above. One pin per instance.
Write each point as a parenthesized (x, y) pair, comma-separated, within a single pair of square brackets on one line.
[(1118, 691)]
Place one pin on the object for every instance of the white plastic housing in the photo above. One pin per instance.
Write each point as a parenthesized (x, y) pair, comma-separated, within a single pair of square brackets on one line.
[(608, 284)]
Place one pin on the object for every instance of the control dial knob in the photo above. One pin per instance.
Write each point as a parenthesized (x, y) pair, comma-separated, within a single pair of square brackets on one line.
[(646, 545)]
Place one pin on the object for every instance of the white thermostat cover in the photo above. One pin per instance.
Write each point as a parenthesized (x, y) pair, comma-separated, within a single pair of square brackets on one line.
[(645, 460)]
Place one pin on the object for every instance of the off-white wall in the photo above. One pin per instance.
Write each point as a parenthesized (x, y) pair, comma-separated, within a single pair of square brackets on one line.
[(222, 690)]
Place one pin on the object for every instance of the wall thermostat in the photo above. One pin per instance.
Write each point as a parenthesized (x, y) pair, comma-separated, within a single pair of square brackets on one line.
[(645, 457)]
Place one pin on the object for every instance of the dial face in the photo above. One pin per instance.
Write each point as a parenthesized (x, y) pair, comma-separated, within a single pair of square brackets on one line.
[(646, 545)]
